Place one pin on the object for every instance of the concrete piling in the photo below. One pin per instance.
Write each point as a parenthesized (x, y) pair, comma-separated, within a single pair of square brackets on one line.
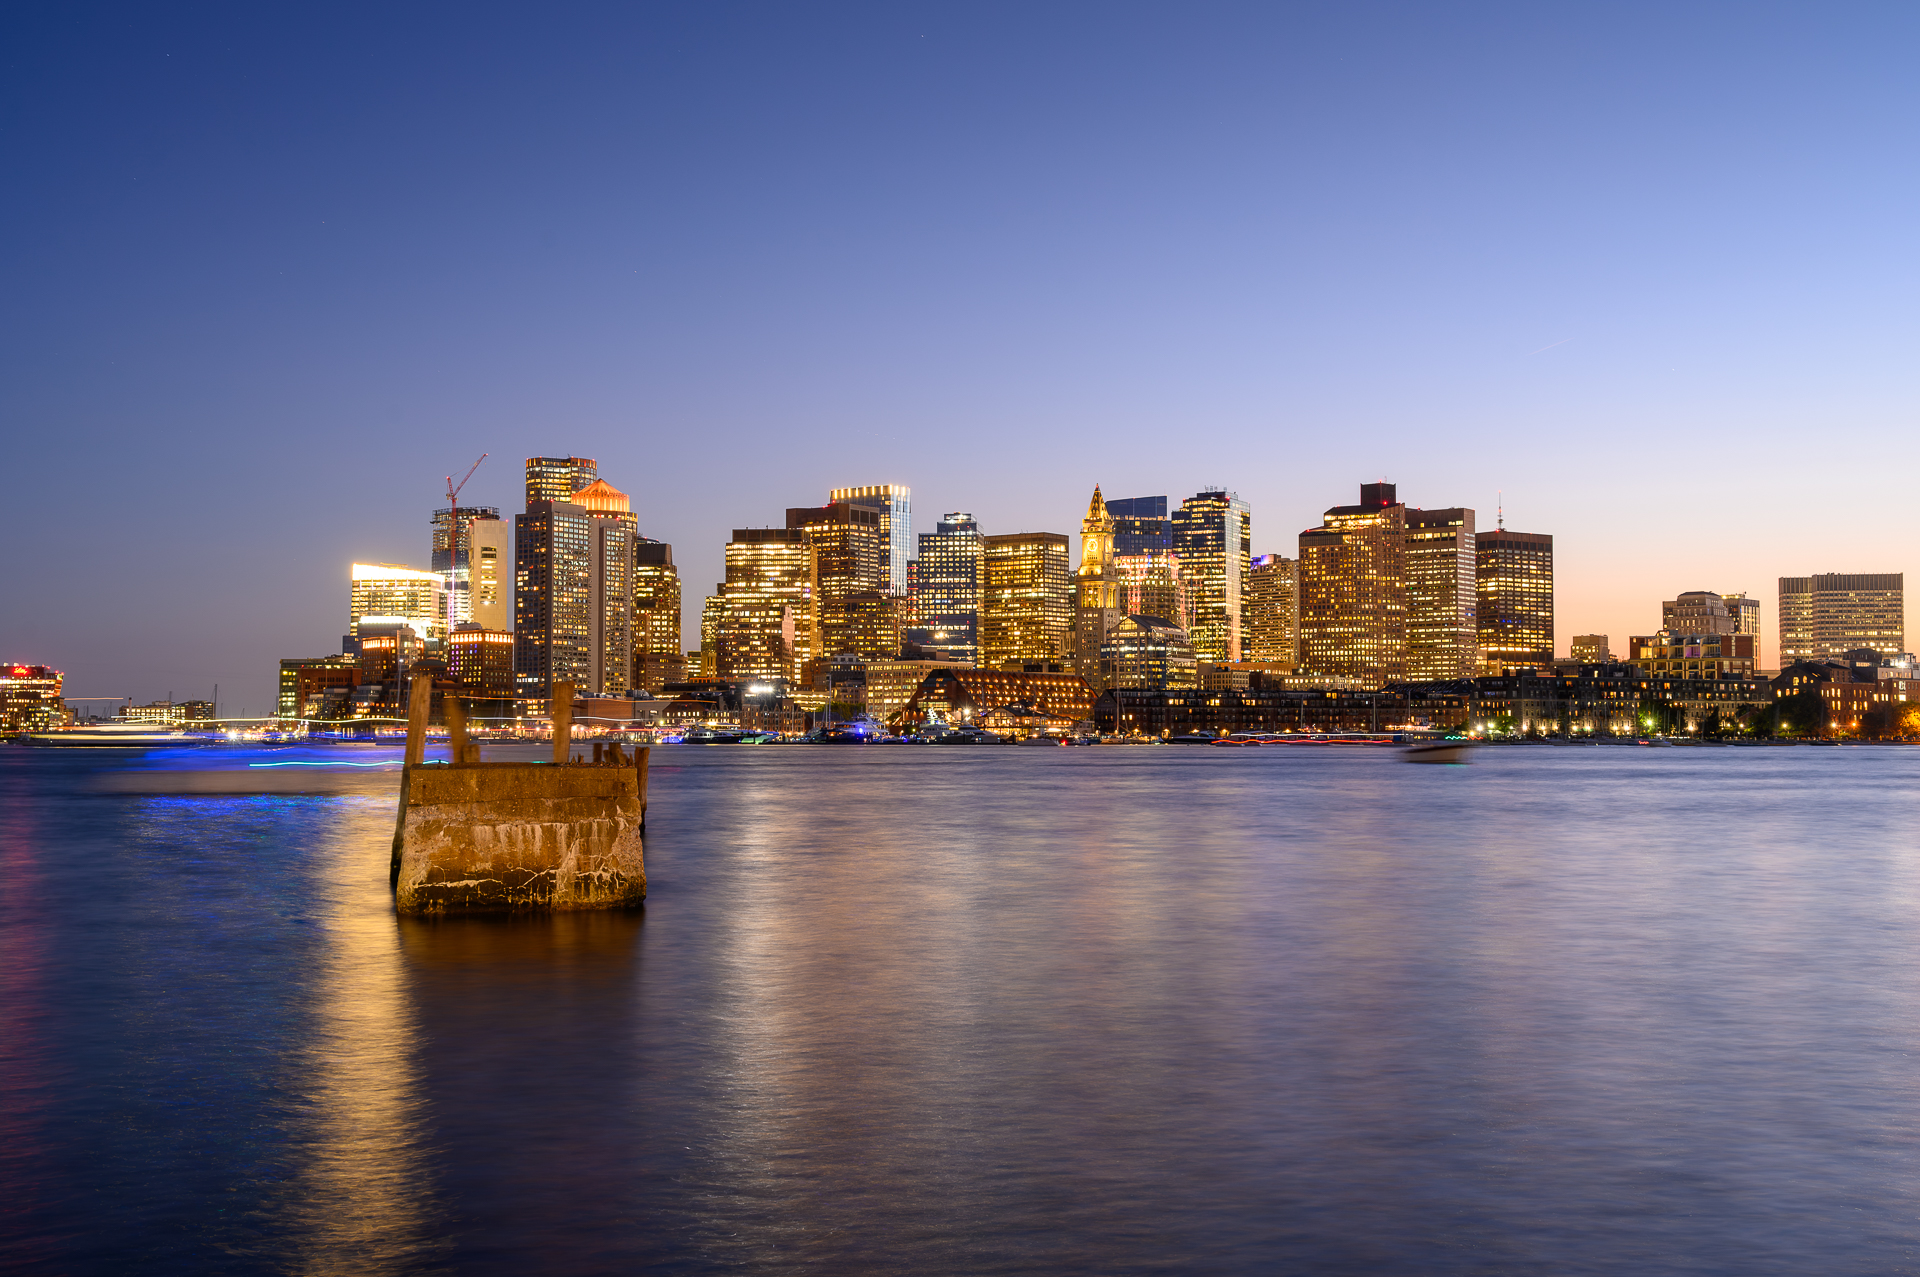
[(474, 837)]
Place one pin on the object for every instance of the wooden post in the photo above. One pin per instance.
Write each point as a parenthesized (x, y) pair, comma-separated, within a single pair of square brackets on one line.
[(419, 702), (456, 712), (562, 715)]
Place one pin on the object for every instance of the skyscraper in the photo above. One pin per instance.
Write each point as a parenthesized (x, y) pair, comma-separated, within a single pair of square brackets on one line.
[(1150, 585), (1140, 526), (474, 562), (949, 577), (765, 601), (1514, 599), (893, 502), (553, 574), (558, 478), (1442, 589), (1026, 601), (1096, 603), (847, 557), (1273, 610), (613, 533), (1212, 531), (1353, 590), (1822, 617), (389, 594), (657, 658), (1746, 615)]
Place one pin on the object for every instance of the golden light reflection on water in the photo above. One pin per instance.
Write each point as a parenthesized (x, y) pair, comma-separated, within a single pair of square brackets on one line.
[(363, 1198)]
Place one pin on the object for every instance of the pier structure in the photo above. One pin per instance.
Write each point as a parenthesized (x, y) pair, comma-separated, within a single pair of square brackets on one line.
[(477, 837)]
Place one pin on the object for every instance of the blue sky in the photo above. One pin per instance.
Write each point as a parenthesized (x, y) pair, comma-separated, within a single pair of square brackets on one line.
[(272, 273)]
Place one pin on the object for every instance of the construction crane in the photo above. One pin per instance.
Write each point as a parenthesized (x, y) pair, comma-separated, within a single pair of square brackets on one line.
[(453, 544)]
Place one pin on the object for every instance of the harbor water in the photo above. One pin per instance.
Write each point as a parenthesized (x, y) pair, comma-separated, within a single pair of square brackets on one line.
[(955, 1011)]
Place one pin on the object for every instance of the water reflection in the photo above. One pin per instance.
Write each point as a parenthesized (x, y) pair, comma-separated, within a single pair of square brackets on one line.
[(524, 1029), (364, 1200)]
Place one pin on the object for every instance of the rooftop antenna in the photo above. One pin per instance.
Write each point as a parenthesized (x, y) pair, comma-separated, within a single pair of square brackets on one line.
[(453, 543), (1500, 508)]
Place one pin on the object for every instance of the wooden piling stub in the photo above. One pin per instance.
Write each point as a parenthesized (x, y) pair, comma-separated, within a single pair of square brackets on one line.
[(419, 703), (562, 716)]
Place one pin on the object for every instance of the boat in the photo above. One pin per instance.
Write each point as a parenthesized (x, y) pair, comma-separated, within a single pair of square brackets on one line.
[(711, 736), (966, 736), (1191, 740), (1039, 738), (119, 736), (1439, 751)]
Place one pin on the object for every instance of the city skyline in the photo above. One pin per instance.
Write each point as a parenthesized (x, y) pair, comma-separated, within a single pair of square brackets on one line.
[(1283, 253)]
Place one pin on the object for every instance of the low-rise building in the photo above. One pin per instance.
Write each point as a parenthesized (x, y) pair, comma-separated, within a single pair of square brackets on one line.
[(958, 695), (1674, 654), (1196, 711), (30, 699)]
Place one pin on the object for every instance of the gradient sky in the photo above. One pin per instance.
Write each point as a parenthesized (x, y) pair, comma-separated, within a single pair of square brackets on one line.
[(270, 272)]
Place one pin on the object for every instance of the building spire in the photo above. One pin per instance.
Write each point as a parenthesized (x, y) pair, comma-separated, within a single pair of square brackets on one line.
[(1097, 508)]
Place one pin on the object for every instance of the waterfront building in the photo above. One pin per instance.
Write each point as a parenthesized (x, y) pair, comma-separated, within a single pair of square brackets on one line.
[(1678, 654), (1353, 590), (891, 684), (958, 695), (846, 557), (1514, 573), (1125, 711), (1096, 597), (307, 682), (473, 561), (1212, 531), (1825, 615), (657, 659), (1443, 633), (480, 665), (764, 604), (558, 478), (394, 594), (1589, 649), (1141, 526), (31, 699), (893, 502), (1272, 610), (1147, 651), (949, 577), (1026, 603)]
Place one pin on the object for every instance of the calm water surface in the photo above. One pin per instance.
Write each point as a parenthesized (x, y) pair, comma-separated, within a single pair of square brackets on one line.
[(991, 1011)]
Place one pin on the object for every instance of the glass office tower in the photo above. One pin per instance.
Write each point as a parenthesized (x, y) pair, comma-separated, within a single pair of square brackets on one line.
[(947, 587), (894, 504)]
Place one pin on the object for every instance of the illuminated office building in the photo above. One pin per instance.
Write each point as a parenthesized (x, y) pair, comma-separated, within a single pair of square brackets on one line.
[(386, 594), (558, 478), (657, 658), (1211, 535), (872, 626), (759, 626), (1443, 632), (847, 558), (948, 577), (1146, 651), (705, 663), (613, 534), (1825, 616), (31, 699), (1272, 610), (1026, 600), (1696, 612), (1746, 615), (1514, 599), (476, 567), (1676, 654), (1149, 584), (1140, 526), (1589, 649), (893, 502), (1096, 599), (480, 663), (553, 554), (1353, 591)]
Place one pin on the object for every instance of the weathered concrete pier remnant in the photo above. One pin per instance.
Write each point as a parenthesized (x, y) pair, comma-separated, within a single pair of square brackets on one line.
[(476, 837)]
